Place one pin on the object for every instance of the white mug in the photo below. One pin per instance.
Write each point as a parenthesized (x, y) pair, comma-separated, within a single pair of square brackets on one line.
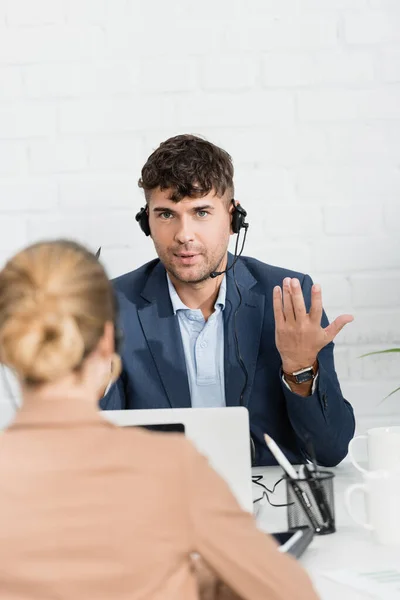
[(383, 445), (382, 493)]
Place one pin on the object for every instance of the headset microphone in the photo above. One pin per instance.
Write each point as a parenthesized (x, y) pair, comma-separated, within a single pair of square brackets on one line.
[(236, 256), (238, 223)]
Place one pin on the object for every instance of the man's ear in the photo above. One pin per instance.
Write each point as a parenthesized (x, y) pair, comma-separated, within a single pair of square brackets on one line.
[(232, 205)]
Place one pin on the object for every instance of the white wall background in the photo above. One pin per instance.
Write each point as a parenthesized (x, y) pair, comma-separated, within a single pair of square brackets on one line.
[(305, 95)]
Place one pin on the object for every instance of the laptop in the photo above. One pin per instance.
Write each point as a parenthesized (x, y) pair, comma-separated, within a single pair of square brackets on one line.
[(220, 434)]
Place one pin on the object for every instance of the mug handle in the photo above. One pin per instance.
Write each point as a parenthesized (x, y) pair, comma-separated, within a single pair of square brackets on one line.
[(347, 499), (353, 460)]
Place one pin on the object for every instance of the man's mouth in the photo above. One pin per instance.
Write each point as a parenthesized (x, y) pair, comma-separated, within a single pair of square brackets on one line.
[(187, 258)]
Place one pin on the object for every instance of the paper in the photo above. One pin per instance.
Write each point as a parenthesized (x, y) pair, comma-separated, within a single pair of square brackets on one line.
[(382, 584)]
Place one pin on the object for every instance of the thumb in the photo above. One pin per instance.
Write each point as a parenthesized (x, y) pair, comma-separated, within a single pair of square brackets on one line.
[(337, 325)]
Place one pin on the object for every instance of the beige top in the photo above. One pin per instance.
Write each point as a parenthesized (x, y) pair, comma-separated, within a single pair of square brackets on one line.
[(90, 511)]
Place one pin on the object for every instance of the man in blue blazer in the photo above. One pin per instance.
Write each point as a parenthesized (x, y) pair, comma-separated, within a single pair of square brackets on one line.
[(204, 328)]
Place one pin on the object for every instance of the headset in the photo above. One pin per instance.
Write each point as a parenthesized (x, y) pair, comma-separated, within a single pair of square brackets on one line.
[(142, 217), (238, 224), (238, 219)]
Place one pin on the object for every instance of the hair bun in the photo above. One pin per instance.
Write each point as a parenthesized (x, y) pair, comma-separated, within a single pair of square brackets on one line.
[(43, 347)]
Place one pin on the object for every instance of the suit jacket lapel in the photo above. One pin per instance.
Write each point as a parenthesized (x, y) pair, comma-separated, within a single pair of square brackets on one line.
[(249, 323), (161, 330)]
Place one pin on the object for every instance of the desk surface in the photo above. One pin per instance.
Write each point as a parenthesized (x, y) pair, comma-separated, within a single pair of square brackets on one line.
[(351, 547)]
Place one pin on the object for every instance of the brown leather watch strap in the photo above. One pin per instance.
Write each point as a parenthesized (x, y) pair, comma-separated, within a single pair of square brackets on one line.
[(292, 379)]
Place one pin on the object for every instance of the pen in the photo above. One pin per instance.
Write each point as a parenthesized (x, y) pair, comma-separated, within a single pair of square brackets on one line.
[(280, 457), (293, 478), (305, 504), (316, 486)]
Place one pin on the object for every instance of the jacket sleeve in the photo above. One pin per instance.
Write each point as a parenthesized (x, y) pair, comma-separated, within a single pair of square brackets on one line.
[(325, 415), (226, 537)]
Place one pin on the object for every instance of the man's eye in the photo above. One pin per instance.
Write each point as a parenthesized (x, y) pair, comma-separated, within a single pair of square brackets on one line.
[(165, 215), (202, 213)]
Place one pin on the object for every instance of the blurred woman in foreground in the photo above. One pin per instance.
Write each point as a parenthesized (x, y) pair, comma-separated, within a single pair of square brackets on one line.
[(89, 510)]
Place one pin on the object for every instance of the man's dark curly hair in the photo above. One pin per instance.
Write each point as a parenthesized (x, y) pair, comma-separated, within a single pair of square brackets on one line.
[(190, 167)]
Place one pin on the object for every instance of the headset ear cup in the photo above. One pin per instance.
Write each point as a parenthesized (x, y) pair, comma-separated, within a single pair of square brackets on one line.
[(142, 218), (145, 224), (238, 217), (236, 221)]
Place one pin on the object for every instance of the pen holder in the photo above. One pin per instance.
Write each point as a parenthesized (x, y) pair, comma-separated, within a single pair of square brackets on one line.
[(311, 502)]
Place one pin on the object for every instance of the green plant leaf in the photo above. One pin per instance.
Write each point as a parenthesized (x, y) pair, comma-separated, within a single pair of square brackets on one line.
[(391, 393), (387, 351), (380, 352)]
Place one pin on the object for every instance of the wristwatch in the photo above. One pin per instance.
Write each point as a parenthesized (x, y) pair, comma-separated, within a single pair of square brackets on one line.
[(302, 375)]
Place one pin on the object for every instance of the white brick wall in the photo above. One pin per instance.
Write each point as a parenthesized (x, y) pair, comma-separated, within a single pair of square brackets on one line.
[(304, 94)]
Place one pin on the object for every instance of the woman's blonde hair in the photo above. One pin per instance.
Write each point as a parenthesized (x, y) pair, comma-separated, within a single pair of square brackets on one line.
[(55, 299)]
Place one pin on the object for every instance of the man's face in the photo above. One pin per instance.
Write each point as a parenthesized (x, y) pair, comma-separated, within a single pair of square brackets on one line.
[(190, 236)]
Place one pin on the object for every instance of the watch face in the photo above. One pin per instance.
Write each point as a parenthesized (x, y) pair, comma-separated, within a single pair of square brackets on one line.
[(304, 376)]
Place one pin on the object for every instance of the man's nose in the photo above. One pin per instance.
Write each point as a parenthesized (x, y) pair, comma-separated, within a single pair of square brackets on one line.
[(184, 233)]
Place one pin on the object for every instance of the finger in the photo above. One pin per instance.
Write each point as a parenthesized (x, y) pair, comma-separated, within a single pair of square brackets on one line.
[(297, 299), (337, 325), (287, 301), (278, 307), (316, 304)]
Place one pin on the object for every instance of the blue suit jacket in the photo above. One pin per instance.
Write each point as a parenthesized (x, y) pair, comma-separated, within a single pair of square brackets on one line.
[(154, 370)]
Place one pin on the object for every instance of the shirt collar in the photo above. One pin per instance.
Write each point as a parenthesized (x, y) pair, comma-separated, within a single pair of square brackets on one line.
[(177, 303)]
